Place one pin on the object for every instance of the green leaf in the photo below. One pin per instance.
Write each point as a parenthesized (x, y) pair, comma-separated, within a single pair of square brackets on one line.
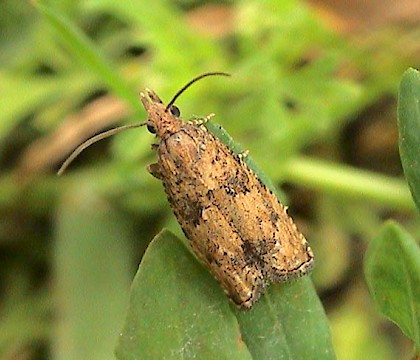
[(409, 130), (178, 311), (392, 270), (288, 323)]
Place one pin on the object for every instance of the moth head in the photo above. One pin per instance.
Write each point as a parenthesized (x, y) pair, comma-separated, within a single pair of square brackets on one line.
[(162, 120), (167, 123), (173, 110)]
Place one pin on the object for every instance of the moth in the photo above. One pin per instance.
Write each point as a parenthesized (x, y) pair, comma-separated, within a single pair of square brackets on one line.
[(234, 223)]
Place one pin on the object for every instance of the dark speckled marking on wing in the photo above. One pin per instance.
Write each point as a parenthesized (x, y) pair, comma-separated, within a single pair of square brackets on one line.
[(235, 225)]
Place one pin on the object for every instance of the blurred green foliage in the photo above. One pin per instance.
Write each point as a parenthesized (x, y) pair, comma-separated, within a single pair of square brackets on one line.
[(70, 245), (392, 269)]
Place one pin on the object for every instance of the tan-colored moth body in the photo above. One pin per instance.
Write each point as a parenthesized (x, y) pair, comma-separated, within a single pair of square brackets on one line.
[(236, 226)]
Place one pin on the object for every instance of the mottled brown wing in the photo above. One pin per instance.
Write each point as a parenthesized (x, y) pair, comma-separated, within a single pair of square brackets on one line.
[(235, 225), (269, 235)]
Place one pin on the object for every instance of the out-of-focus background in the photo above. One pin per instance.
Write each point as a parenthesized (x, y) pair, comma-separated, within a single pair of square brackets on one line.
[(312, 97)]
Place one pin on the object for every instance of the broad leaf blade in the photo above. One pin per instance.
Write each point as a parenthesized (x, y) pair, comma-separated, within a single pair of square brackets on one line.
[(177, 310), (287, 323), (409, 130), (392, 269)]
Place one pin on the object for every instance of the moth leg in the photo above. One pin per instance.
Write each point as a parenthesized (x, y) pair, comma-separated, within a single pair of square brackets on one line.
[(155, 170), (244, 154), (154, 146), (200, 120)]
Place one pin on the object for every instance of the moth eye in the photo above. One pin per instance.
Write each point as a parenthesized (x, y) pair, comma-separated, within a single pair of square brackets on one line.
[(151, 128), (175, 110)]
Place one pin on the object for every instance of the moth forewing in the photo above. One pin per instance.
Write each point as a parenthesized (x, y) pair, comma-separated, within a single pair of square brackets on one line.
[(236, 226)]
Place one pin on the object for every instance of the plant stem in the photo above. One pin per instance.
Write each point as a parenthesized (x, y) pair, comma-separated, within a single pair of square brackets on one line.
[(349, 182)]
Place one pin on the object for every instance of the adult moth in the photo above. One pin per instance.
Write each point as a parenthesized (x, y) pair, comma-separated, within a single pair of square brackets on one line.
[(236, 226)]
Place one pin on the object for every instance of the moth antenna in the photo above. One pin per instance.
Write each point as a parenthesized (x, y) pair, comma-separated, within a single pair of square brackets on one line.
[(186, 86), (92, 140)]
